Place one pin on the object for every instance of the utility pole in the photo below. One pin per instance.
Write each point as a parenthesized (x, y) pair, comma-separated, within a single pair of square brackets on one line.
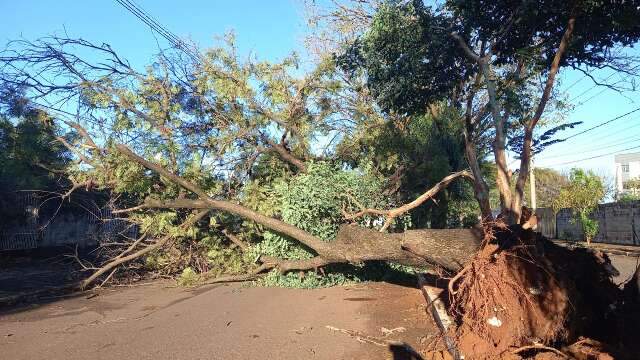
[(532, 185)]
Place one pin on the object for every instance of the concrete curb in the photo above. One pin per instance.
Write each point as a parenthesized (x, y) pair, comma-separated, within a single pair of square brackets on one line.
[(625, 250), (438, 310)]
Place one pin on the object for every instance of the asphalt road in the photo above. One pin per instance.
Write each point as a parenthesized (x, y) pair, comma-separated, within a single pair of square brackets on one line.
[(219, 322)]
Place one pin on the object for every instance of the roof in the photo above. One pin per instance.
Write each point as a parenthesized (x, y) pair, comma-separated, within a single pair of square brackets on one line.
[(627, 157)]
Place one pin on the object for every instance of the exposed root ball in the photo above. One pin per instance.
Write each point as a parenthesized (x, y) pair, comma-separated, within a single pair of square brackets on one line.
[(521, 290)]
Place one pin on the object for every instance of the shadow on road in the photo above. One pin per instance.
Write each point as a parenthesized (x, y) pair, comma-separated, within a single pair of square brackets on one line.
[(404, 352)]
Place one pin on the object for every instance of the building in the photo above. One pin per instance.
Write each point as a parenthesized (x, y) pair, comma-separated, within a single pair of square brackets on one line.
[(627, 168)]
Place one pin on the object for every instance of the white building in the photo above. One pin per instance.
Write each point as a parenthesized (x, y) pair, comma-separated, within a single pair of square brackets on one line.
[(627, 168)]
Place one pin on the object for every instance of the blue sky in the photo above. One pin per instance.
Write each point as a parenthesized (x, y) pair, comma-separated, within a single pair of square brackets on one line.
[(273, 29)]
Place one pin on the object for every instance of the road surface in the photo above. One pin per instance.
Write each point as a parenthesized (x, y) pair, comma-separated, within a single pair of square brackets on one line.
[(157, 321)]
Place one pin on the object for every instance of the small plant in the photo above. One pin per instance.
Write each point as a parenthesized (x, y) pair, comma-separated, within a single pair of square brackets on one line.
[(188, 277), (582, 194), (590, 227)]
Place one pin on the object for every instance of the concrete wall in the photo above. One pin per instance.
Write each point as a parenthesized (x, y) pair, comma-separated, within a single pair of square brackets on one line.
[(546, 222), (619, 223)]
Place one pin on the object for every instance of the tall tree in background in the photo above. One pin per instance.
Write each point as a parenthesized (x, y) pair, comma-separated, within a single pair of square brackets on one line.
[(31, 157), (486, 59), (548, 185)]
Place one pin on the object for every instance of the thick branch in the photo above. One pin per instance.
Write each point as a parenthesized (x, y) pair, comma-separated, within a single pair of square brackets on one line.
[(503, 181), (467, 50), (287, 156), (555, 66), (525, 156), (206, 202), (480, 188), (394, 213)]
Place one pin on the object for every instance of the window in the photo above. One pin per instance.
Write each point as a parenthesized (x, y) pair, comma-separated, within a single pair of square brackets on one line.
[(625, 168)]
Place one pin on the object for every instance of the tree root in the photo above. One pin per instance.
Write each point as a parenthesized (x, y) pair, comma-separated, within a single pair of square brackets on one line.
[(539, 347)]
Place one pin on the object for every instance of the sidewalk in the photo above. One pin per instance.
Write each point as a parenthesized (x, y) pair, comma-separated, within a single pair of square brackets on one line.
[(626, 250)]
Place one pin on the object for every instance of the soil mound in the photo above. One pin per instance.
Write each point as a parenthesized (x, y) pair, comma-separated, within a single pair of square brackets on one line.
[(522, 296)]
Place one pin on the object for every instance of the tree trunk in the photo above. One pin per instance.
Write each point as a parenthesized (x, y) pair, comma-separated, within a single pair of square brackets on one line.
[(447, 248), (480, 188), (503, 181), (525, 161)]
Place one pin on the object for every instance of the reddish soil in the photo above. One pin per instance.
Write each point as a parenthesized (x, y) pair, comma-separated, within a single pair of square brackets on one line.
[(158, 321)]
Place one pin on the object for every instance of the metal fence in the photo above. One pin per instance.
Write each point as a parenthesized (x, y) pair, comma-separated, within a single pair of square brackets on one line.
[(45, 222)]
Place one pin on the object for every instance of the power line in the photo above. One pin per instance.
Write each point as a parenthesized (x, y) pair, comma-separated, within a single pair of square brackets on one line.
[(609, 138), (138, 12), (591, 88), (592, 96), (595, 157), (634, 140), (607, 134), (602, 124), (157, 25), (595, 85), (575, 83), (141, 15)]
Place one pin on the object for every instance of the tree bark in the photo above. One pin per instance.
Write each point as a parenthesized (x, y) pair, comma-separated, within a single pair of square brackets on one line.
[(503, 181), (480, 187), (286, 155), (525, 162), (448, 248)]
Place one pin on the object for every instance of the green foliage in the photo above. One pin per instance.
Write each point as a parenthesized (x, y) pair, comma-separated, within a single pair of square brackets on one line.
[(188, 277), (305, 280), (634, 194), (628, 197), (589, 227), (315, 201), (416, 152), (411, 59), (28, 151), (273, 244), (538, 27), (582, 194), (548, 185), (407, 42)]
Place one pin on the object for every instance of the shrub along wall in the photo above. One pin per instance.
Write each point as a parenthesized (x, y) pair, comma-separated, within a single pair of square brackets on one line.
[(619, 223)]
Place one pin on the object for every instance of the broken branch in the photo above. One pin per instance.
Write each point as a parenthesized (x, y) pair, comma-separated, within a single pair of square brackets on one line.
[(394, 213)]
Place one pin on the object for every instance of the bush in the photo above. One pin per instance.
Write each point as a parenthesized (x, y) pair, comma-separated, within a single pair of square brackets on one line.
[(315, 201), (589, 226), (188, 277)]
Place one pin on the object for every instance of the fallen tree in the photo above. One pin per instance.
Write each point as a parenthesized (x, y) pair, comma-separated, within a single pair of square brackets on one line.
[(209, 124), (447, 249)]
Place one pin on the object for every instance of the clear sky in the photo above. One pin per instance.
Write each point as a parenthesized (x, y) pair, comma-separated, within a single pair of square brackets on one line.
[(273, 29)]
